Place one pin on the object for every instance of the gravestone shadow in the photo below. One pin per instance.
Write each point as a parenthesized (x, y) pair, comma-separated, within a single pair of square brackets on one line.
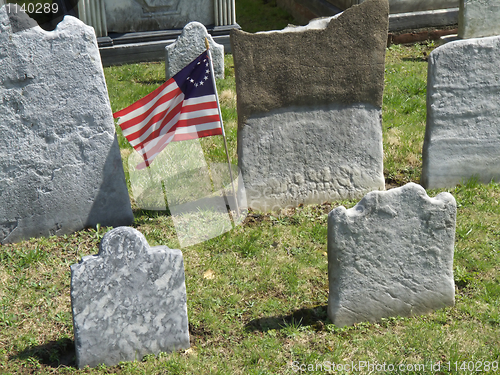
[(423, 58), (138, 212), (54, 353), (111, 205), (315, 317), (150, 81)]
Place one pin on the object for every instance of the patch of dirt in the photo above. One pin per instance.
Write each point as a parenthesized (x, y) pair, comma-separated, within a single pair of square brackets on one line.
[(198, 334)]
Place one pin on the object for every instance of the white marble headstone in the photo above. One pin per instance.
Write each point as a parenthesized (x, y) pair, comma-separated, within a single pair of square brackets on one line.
[(188, 46), (478, 18), (462, 135), (60, 163), (391, 255), (128, 301)]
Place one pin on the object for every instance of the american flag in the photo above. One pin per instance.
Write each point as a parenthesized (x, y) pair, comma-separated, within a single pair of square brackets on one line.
[(185, 107)]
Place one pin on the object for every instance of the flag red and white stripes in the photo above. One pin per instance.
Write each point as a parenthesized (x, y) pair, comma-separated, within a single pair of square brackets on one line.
[(185, 107)]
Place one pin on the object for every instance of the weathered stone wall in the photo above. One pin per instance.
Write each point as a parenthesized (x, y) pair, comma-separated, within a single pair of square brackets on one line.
[(309, 99)]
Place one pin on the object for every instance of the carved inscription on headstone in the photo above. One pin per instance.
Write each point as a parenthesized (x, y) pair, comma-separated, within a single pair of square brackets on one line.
[(309, 109)]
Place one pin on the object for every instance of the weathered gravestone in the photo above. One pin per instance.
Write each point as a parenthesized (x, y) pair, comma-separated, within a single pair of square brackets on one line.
[(60, 164), (478, 18), (128, 301), (391, 255), (188, 46), (309, 109), (462, 137)]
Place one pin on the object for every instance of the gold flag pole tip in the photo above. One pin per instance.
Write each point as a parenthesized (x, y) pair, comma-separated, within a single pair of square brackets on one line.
[(206, 43)]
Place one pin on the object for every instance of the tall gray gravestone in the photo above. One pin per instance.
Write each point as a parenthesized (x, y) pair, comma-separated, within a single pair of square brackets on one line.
[(128, 301), (60, 164), (478, 18), (188, 46), (309, 108), (391, 255), (462, 136)]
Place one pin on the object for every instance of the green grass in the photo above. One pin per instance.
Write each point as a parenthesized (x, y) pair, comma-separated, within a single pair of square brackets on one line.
[(261, 15), (404, 112), (257, 295)]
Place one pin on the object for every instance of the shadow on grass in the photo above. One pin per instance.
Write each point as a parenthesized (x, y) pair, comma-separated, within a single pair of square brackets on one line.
[(315, 316), (54, 353), (143, 213), (150, 81), (423, 58)]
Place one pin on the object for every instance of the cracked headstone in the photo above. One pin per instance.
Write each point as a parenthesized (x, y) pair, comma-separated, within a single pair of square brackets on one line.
[(391, 255), (478, 18), (309, 108), (462, 137), (188, 46), (61, 169), (128, 301)]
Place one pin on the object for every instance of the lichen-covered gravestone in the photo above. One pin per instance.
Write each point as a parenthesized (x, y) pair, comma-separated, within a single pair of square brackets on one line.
[(309, 108), (60, 164), (478, 18), (188, 46), (391, 255), (462, 135), (128, 301)]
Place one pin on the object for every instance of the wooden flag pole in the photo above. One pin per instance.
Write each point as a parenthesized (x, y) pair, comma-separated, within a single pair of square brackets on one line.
[(222, 126)]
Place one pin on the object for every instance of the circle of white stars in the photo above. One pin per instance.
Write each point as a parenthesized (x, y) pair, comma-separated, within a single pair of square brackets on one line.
[(207, 73)]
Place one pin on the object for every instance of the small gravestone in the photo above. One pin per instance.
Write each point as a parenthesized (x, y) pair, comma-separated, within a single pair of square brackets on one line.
[(188, 46), (462, 137), (60, 164), (391, 255), (309, 108), (128, 301), (478, 18)]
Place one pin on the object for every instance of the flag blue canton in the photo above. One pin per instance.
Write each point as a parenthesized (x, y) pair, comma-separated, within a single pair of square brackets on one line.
[(195, 80)]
